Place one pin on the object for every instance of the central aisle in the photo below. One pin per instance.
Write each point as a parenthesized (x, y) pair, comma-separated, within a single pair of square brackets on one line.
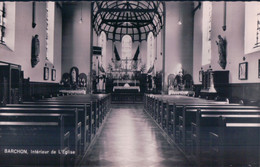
[(131, 139)]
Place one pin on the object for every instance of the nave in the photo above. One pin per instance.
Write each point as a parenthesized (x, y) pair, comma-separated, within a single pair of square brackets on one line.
[(131, 138), (165, 130)]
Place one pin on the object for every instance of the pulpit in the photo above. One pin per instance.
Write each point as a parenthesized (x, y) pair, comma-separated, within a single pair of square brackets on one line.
[(214, 83)]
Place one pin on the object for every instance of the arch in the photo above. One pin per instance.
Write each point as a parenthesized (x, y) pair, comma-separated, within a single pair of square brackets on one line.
[(102, 42), (150, 50), (126, 50)]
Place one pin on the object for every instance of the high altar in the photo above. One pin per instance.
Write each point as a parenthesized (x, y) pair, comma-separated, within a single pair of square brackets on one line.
[(125, 82)]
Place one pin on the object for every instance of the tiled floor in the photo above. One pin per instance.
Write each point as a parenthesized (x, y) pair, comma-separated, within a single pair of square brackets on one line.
[(131, 139)]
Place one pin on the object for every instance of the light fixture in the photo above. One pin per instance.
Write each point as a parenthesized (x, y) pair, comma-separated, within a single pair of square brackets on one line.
[(81, 20), (179, 21)]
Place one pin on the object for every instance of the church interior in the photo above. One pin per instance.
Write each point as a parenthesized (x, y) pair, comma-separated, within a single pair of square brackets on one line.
[(130, 83)]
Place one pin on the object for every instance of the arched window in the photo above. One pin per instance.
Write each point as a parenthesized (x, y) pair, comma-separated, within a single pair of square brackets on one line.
[(50, 13), (126, 51), (150, 50), (102, 42), (2, 21), (206, 36), (7, 24)]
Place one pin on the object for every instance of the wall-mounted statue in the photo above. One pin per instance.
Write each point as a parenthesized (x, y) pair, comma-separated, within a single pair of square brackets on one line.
[(35, 51), (222, 52)]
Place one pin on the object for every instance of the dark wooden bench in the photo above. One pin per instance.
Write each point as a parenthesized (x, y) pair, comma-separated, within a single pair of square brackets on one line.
[(173, 110), (189, 115), (207, 120), (72, 123), (236, 142), (157, 105), (84, 117), (34, 139), (94, 108), (177, 116), (179, 111), (101, 102), (100, 106)]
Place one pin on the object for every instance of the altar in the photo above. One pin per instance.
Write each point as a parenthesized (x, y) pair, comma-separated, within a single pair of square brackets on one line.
[(183, 93), (126, 91), (73, 92), (122, 88)]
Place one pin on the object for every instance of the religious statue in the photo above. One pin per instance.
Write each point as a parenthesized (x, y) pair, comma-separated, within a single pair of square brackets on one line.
[(65, 81), (171, 78), (149, 82), (82, 80), (222, 52), (101, 83), (35, 51), (74, 73)]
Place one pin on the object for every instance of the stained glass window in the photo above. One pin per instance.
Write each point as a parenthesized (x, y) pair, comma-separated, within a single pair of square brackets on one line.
[(2, 21), (126, 51), (102, 42), (150, 50), (50, 12), (206, 36)]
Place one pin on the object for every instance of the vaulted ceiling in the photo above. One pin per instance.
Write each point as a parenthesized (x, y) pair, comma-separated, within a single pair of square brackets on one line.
[(134, 18)]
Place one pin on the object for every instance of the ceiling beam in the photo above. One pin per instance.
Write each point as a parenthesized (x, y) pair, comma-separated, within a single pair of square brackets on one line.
[(126, 20), (127, 26), (139, 31), (127, 10)]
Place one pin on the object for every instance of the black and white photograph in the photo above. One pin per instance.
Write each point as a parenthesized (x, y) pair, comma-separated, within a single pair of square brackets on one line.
[(129, 83)]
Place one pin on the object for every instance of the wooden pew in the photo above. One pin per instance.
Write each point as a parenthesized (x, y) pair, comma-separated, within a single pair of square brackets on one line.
[(84, 117), (207, 120), (72, 123), (93, 115), (171, 109), (236, 142), (100, 106), (173, 113), (168, 118), (189, 115), (22, 132), (159, 111)]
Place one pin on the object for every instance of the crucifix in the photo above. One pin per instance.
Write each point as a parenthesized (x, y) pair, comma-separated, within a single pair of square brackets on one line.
[(127, 61)]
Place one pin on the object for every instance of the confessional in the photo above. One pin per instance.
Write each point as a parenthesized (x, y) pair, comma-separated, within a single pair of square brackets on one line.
[(11, 78)]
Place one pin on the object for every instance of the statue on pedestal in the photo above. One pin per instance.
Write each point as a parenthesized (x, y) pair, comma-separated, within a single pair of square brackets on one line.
[(74, 73)]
